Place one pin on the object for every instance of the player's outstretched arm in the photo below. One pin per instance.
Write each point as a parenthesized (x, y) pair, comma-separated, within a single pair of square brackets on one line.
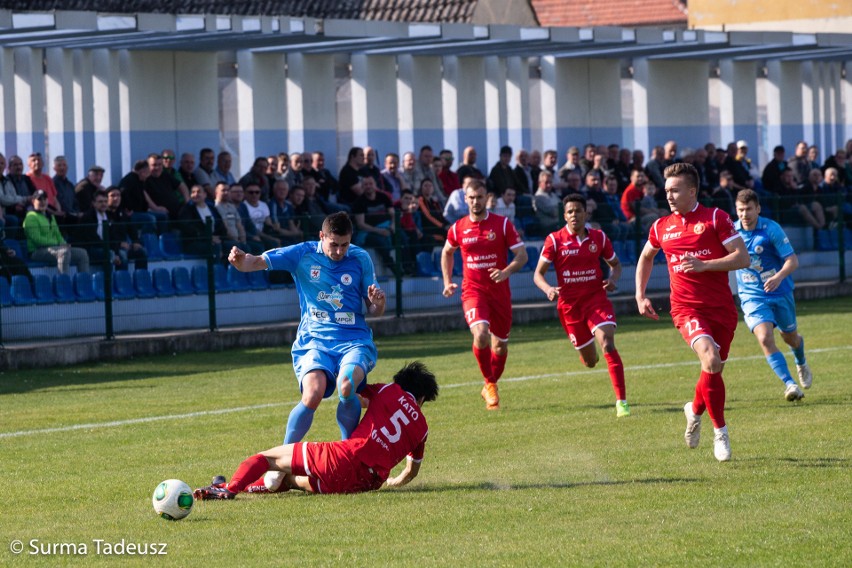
[(447, 262), (245, 262), (410, 472), (552, 292), (643, 274), (614, 274), (376, 300)]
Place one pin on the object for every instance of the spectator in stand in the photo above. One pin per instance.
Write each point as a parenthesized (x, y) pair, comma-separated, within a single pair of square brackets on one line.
[(549, 165), (85, 188), (699, 161), (608, 214), (631, 201), (257, 176), (833, 198), (711, 168), (468, 167), (505, 205), (44, 183), (423, 170), (722, 196), (840, 162), (456, 206), (449, 180), (799, 163), (282, 213), (437, 166), (46, 244), (809, 207), (282, 166), (572, 184), (431, 214), (65, 194), (95, 228), (10, 263), (535, 160), (657, 163), (572, 163), (771, 177), (371, 169), (740, 166), (14, 204), (374, 217), (136, 200), (163, 190), (349, 176), (123, 233), (169, 158), (193, 226), (621, 169), (414, 240), (235, 233), (255, 216), (547, 204), (813, 157), (204, 175), (501, 175), (394, 181), (526, 177), (327, 185), (253, 241), (649, 206), (308, 167), (638, 160), (587, 161), (222, 172), (186, 175), (315, 208), (295, 175), (407, 171)]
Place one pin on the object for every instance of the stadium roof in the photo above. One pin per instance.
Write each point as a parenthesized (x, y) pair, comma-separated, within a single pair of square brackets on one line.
[(206, 32)]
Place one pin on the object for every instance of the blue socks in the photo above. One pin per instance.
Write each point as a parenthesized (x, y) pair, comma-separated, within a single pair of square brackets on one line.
[(349, 407), (799, 353), (301, 418), (779, 366)]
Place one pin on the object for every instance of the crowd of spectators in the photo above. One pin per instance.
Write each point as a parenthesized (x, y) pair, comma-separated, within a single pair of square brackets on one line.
[(408, 202)]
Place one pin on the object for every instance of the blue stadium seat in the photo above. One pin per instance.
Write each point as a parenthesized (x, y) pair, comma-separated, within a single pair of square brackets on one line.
[(152, 246), (15, 245), (436, 261), (458, 264), (532, 258), (424, 264), (163, 283), (84, 287), (170, 246), (63, 289), (122, 285), (98, 286), (144, 284), (22, 292), (258, 280), (44, 290), (238, 280), (181, 281), (5, 293), (220, 274), (199, 279)]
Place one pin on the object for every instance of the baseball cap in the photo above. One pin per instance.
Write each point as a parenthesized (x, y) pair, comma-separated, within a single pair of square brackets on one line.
[(96, 169), (742, 144), (40, 194)]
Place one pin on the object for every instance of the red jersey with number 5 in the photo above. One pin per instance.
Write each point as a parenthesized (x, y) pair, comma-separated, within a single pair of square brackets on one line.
[(484, 245), (702, 233), (392, 428), (577, 262)]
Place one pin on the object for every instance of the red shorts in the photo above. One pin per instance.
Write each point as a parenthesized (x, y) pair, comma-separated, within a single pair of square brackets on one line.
[(331, 468), (496, 312), (581, 319), (719, 326)]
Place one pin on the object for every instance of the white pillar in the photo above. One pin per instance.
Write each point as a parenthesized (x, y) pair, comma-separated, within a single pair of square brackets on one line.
[(738, 108), (641, 136), (495, 110), (405, 103), (8, 144), (105, 97), (374, 103), (197, 102), (84, 139), (311, 104), (245, 112), (549, 112), (846, 102), (29, 101), (785, 104), (450, 106), (427, 107), (810, 102), (517, 103), (59, 97)]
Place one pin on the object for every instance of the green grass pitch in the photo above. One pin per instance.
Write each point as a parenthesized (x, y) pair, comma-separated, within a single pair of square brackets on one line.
[(552, 479)]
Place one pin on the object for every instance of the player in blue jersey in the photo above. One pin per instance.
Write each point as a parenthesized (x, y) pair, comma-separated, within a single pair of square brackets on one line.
[(766, 291), (335, 280)]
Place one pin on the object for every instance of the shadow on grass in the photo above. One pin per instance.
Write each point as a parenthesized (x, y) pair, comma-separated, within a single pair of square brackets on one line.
[(492, 486)]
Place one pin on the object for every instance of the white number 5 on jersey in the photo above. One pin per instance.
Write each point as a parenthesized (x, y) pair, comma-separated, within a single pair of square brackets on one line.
[(397, 420)]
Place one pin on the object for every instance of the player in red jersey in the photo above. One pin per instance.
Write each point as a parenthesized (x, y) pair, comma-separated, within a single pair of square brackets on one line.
[(484, 239), (392, 428), (701, 246), (584, 310)]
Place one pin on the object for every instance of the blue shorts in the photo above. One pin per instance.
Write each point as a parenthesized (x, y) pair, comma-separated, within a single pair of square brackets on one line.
[(317, 354), (778, 310)]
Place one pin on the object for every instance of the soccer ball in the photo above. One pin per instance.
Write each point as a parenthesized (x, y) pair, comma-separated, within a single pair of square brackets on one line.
[(173, 499)]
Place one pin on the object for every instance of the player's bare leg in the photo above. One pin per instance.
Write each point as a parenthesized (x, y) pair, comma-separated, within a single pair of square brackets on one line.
[(710, 396), (605, 335), (797, 344)]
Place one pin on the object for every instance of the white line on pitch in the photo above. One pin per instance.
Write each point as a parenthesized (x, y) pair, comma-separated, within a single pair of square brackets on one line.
[(200, 413)]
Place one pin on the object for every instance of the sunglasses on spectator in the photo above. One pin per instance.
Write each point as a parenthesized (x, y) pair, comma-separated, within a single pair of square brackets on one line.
[(252, 193), (167, 157)]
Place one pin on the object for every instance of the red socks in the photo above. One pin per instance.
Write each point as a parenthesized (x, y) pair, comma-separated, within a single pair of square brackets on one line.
[(498, 363), (251, 469), (710, 395), (616, 374), (483, 357)]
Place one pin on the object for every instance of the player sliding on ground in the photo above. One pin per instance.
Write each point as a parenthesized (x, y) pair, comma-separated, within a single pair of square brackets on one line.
[(584, 310), (484, 239), (392, 428)]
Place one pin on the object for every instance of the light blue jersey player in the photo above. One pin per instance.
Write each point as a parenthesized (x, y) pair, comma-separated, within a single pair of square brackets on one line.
[(334, 346), (765, 289)]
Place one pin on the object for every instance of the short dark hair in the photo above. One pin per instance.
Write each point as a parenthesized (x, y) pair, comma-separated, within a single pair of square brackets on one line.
[(206, 151), (425, 147), (99, 193), (683, 170), (353, 151), (417, 380), (337, 224), (506, 150), (140, 165), (574, 198), (747, 196)]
